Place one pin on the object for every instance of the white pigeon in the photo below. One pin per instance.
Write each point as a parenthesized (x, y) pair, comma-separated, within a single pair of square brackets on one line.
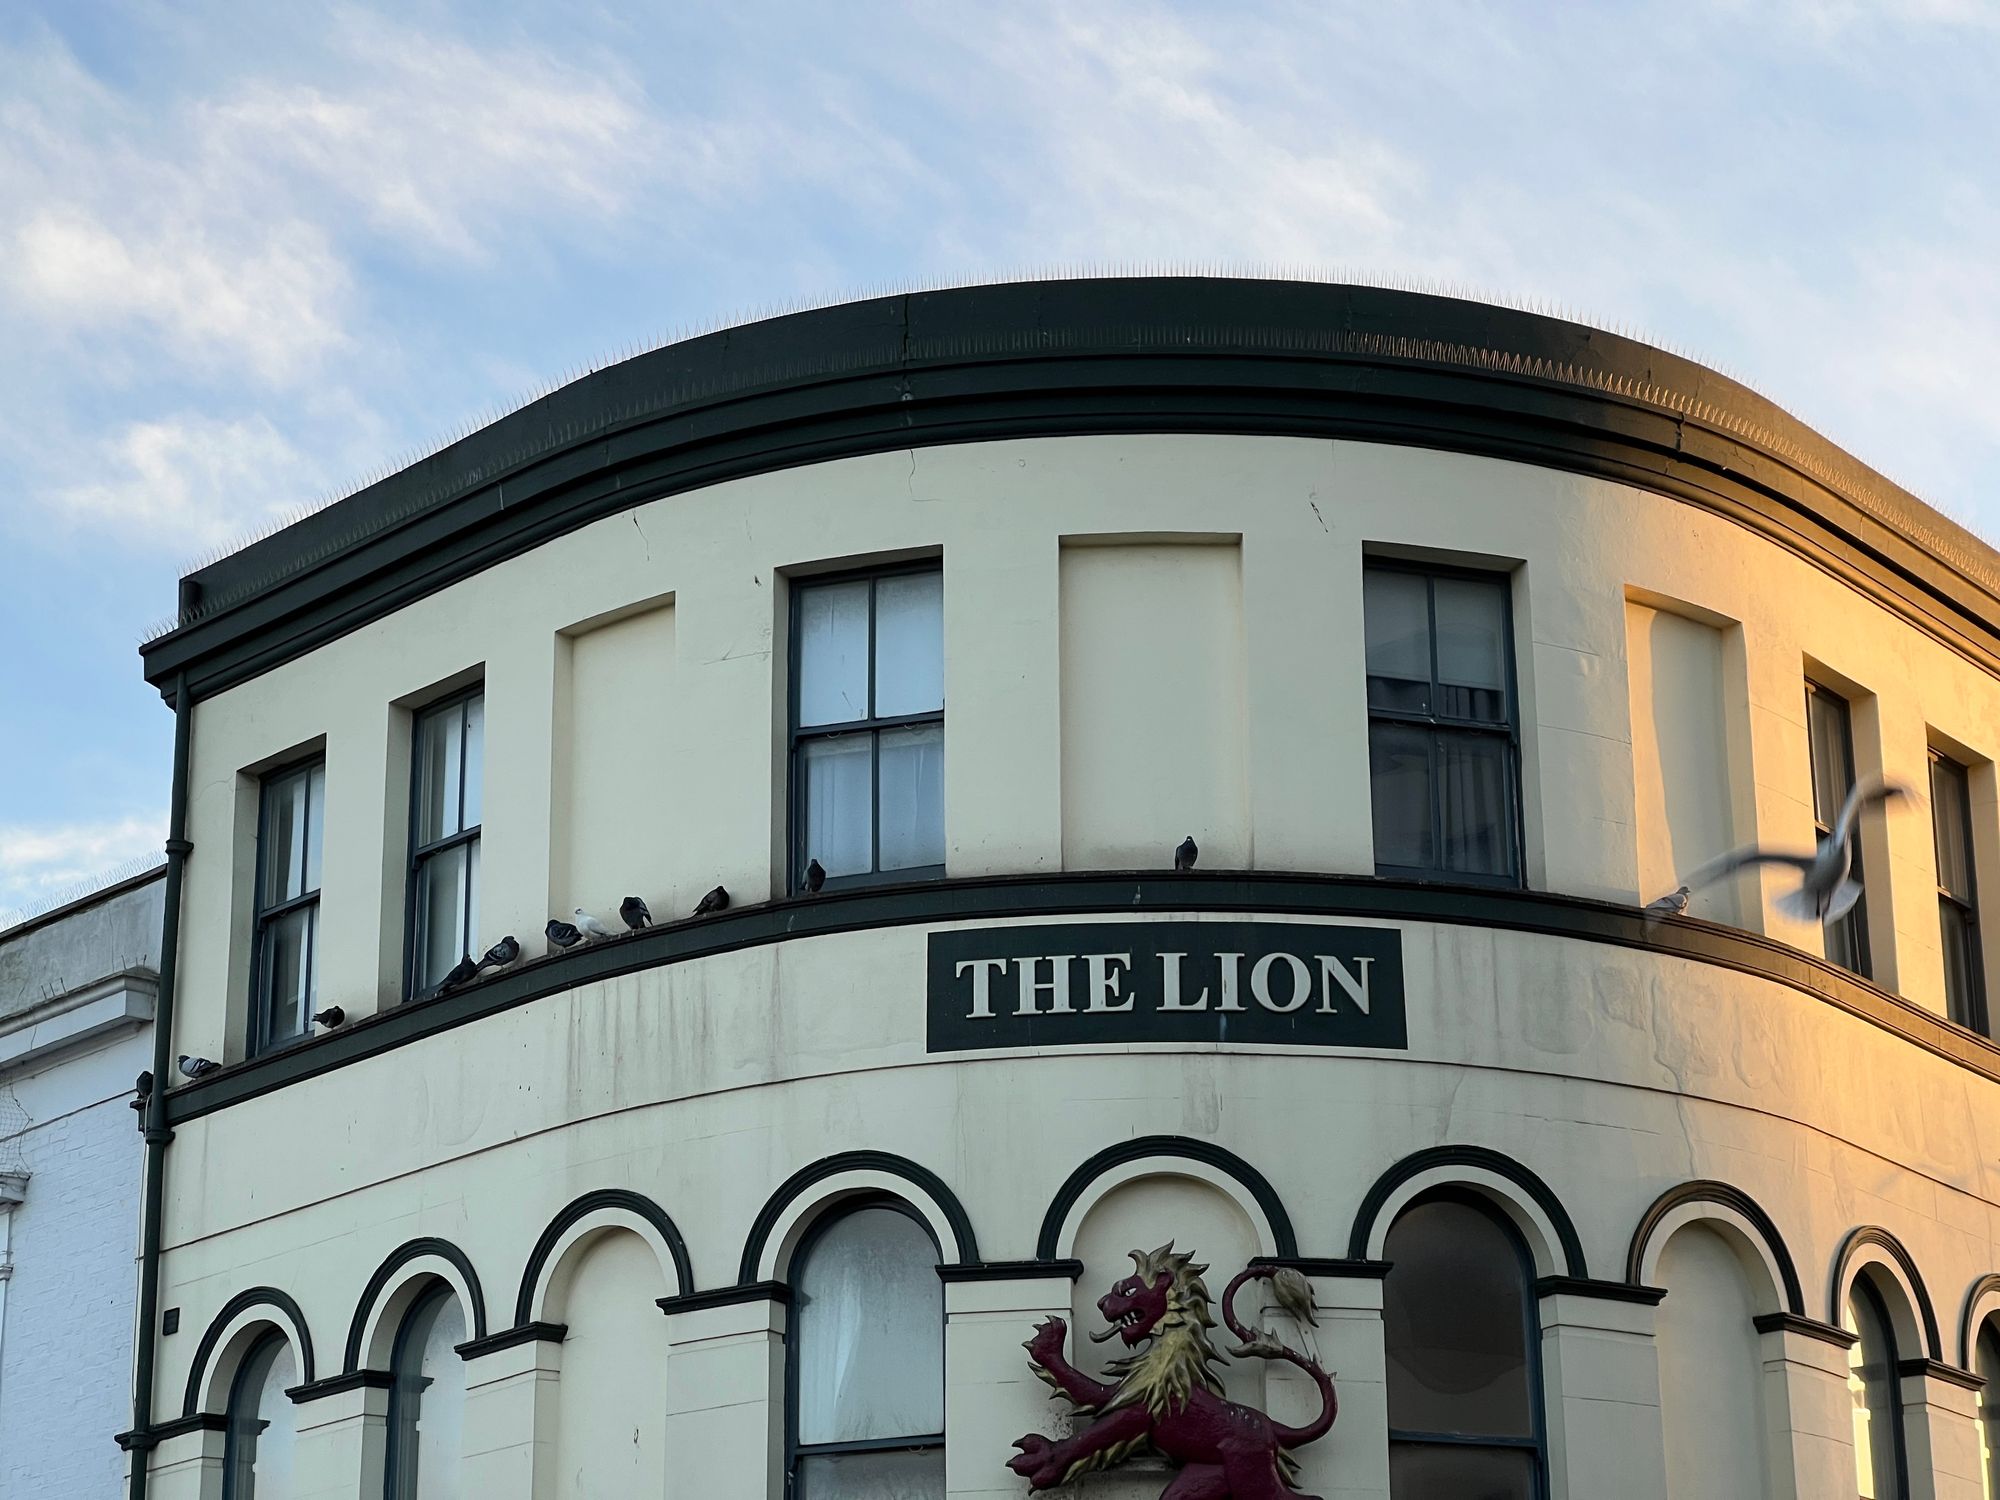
[(591, 928), (1827, 889), (1673, 904)]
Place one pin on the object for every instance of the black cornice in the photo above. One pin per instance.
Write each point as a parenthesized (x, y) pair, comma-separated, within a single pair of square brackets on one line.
[(1110, 894), (1115, 355)]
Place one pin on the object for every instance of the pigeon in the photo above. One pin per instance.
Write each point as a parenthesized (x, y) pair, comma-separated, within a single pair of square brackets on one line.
[(715, 900), (562, 934), (1186, 854), (1673, 904), (633, 910), (1828, 889), (331, 1017), (815, 876), (461, 971), (142, 1091), (502, 953), (590, 927), (197, 1067)]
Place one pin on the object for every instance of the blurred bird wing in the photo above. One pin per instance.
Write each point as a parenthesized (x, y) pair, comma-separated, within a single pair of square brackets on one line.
[(1723, 866), (1842, 901), (1866, 791)]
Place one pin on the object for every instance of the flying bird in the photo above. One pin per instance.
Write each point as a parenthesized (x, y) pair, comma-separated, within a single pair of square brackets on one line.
[(331, 1017), (502, 953), (562, 934), (591, 928), (1827, 889), (459, 972), (633, 910), (715, 900), (196, 1067), (1674, 903), (815, 876), (1186, 854)]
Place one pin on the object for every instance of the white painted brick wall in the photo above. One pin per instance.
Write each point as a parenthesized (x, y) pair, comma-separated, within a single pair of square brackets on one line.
[(66, 1359)]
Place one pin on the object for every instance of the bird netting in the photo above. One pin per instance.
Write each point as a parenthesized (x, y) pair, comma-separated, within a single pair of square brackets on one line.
[(14, 1123)]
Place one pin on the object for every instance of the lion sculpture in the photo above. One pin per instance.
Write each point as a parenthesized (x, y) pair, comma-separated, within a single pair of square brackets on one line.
[(1165, 1397)]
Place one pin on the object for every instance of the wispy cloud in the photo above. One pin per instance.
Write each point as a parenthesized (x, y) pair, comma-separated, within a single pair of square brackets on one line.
[(44, 864)]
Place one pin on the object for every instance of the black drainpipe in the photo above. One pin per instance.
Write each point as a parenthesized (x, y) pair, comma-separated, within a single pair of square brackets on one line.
[(155, 1125)]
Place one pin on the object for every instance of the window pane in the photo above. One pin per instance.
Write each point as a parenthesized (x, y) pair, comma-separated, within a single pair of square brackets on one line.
[(833, 654), (315, 824), (1847, 939), (1832, 768), (839, 811), (1475, 779), (1948, 826), (1455, 1324), (909, 644), (474, 774), (1399, 763), (912, 806), (870, 1312), (1986, 1360), (261, 1435), (1437, 1471), (1396, 623), (1871, 1383), (1964, 1002), (1471, 648), (286, 974), (441, 882), (284, 838), (427, 1402), (437, 773), (872, 1476)]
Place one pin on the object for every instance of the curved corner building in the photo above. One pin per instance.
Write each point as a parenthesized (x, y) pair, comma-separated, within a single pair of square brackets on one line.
[(1448, 634)]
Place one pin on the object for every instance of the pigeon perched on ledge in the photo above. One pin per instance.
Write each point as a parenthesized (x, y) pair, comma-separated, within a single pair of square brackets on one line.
[(1827, 890), (716, 900), (1186, 854), (633, 911), (459, 972), (1673, 904), (502, 953), (197, 1067), (590, 927), (331, 1017), (561, 934), (815, 876)]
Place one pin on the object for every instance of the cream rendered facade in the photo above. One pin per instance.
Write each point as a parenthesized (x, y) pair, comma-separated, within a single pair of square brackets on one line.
[(1146, 634)]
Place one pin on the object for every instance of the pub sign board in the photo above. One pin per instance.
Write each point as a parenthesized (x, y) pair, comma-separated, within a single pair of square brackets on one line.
[(1087, 983)]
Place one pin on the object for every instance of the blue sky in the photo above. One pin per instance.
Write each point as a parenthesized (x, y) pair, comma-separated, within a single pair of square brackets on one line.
[(252, 253)]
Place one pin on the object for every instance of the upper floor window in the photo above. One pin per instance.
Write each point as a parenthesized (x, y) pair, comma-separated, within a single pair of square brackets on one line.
[(426, 1401), (1958, 910), (868, 726), (1460, 1330), (1443, 742), (258, 1441), (1875, 1387), (1830, 736), (867, 1360), (445, 787), (283, 979)]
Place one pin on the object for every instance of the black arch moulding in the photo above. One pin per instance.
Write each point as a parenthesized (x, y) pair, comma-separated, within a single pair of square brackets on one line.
[(1874, 1234), (1102, 356), (1185, 1148), (1500, 1165), (580, 1208), (256, 1296), (1968, 1333), (1707, 1190), (965, 1243), (401, 1256)]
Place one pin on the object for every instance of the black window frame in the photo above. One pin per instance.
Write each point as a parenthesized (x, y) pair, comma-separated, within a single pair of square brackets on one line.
[(237, 1464), (1892, 1358), (263, 918), (874, 727), (795, 1451), (400, 1476), (414, 988), (1531, 1342), (1976, 1016), (1436, 723), (1853, 923)]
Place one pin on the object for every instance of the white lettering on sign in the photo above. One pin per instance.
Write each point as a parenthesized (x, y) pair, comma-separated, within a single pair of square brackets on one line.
[(1260, 982), (1057, 984), (1170, 980), (1105, 982), (1331, 972), (982, 984), (1230, 1000)]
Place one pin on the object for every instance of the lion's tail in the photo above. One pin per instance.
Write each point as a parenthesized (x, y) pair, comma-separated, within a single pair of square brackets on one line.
[(1294, 1294)]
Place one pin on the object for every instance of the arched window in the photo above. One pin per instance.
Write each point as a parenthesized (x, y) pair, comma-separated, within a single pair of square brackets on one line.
[(1879, 1465), (427, 1400), (257, 1449), (1459, 1324), (1986, 1360), (867, 1359)]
